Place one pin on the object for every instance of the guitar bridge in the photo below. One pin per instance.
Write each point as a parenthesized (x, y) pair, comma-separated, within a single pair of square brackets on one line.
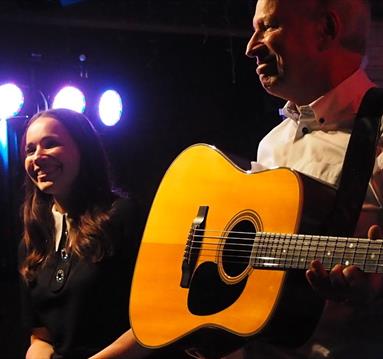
[(193, 246)]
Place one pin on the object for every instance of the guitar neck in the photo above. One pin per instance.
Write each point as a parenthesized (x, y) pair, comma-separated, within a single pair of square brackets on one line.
[(296, 251)]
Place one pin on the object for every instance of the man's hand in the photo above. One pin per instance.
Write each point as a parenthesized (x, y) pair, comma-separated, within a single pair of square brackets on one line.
[(39, 349), (347, 284)]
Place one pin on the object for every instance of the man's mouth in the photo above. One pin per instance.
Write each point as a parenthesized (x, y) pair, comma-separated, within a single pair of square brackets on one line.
[(267, 67), (262, 69)]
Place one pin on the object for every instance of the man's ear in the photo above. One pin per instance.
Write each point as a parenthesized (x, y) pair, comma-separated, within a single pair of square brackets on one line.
[(330, 26)]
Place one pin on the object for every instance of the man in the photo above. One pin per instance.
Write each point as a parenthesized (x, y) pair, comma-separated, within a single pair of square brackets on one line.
[(310, 53)]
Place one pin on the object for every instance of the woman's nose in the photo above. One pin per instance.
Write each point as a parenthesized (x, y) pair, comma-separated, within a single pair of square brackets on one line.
[(39, 155)]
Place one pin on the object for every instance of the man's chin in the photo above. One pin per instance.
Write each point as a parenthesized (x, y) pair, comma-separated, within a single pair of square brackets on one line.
[(270, 84), (274, 85)]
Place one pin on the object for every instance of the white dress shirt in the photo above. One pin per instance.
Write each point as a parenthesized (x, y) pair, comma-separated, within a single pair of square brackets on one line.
[(313, 139)]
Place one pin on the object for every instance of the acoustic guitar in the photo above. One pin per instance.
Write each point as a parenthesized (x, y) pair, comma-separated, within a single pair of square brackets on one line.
[(223, 255)]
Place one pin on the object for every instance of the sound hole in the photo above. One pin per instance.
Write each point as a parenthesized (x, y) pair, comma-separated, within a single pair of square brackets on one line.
[(237, 248)]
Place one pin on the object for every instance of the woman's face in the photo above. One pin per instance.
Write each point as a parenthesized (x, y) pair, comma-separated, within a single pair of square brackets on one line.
[(52, 158)]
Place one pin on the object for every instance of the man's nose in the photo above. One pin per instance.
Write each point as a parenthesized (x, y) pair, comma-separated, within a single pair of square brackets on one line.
[(255, 46)]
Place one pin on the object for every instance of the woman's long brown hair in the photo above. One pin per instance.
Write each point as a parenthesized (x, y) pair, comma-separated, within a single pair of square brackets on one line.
[(90, 201)]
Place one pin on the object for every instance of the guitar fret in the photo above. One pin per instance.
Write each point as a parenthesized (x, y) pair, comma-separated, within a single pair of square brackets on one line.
[(281, 251), (307, 242), (263, 250), (367, 257), (338, 253), (320, 248), (291, 248), (313, 253), (353, 247), (343, 247), (333, 252), (326, 252), (371, 262), (260, 244), (275, 259), (297, 252), (316, 248), (366, 247), (379, 256), (287, 245), (287, 253), (274, 256)]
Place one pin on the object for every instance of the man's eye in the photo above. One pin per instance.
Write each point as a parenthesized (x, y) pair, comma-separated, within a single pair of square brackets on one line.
[(268, 26)]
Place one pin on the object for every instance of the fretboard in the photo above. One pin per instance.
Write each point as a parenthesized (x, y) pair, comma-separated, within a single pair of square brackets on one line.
[(296, 251)]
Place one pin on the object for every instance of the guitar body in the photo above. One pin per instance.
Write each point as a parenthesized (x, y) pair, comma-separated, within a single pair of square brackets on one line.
[(224, 304)]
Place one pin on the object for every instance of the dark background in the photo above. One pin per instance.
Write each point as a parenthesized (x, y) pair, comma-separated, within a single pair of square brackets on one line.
[(183, 75)]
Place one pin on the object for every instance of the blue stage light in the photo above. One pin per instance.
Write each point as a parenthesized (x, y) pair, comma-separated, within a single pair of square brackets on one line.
[(110, 107), (11, 100), (71, 98), (69, 2), (3, 146)]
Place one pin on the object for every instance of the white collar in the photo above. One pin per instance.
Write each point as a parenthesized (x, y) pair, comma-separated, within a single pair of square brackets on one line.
[(338, 107), (58, 219)]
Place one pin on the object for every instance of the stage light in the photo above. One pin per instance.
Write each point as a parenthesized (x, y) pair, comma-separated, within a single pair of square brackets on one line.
[(3, 145), (110, 107), (71, 98), (11, 100), (70, 2)]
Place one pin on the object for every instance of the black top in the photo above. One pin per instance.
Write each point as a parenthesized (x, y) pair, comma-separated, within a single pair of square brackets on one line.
[(91, 308)]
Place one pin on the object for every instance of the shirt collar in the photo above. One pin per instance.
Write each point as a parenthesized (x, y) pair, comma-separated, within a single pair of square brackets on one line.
[(58, 218), (338, 107)]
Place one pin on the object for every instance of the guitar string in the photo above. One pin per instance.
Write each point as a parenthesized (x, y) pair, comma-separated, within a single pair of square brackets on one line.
[(291, 262), (287, 235), (294, 237), (289, 256), (309, 256), (292, 248), (371, 268), (278, 244)]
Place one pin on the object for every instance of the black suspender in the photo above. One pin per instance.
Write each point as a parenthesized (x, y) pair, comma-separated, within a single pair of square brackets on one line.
[(358, 165)]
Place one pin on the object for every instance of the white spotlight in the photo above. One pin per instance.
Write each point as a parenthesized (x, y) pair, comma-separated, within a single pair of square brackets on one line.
[(70, 98), (11, 100), (110, 107)]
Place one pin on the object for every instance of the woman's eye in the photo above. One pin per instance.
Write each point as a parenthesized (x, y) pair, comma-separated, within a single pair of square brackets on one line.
[(51, 143), (29, 150)]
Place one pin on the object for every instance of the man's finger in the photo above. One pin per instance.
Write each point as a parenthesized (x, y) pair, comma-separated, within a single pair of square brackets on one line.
[(375, 232)]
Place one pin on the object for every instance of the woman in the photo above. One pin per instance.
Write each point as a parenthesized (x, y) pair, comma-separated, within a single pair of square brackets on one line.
[(79, 244)]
